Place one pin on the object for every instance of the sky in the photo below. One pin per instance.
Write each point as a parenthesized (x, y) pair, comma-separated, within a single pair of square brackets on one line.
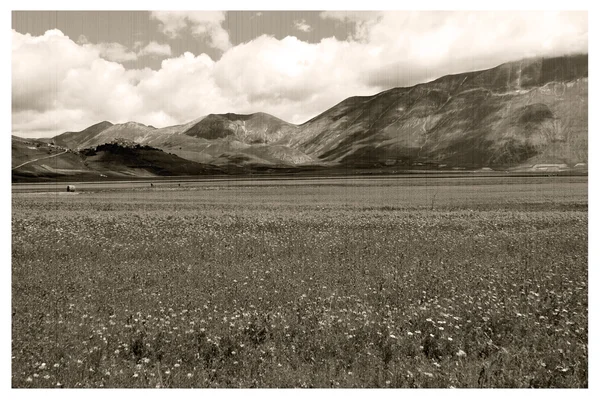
[(72, 69)]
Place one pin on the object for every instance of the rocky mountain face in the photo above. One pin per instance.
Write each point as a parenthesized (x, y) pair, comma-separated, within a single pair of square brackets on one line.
[(516, 114)]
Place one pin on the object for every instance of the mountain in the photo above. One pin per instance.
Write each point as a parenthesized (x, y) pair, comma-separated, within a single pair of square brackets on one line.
[(514, 115), (75, 139), (206, 139), (533, 109), (251, 128), (131, 131)]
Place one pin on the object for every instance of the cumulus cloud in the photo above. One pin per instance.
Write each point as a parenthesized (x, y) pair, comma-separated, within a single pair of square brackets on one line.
[(38, 65), (61, 85), (205, 24), (301, 25)]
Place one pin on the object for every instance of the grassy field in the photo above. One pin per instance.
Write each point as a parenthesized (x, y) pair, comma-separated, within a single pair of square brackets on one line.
[(360, 283)]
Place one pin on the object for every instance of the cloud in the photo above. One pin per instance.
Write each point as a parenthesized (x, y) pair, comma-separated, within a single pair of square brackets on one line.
[(205, 24), (156, 49), (114, 52), (119, 53), (38, 65), (109, 51), (291, 78), (301, 25), (61, 85), (440, 43)]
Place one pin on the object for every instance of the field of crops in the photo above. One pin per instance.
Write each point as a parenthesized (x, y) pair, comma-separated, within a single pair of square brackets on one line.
[(420, 283)]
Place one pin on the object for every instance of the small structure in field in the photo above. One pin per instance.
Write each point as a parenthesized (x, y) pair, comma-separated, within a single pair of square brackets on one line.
[(70, 188), (549, 167)]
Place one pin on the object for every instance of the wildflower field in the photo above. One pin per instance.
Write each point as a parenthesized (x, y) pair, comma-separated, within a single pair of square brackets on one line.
[(462, 282)]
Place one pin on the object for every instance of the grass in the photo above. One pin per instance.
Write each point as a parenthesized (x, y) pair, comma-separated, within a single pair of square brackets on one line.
[(302, 286)]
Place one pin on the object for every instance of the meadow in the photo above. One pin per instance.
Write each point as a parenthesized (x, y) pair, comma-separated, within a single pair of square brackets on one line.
[(474, 282)]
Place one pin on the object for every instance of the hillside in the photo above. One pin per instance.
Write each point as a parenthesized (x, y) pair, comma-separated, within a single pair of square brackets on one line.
[(117, 159), (135, 159), (25, 151)]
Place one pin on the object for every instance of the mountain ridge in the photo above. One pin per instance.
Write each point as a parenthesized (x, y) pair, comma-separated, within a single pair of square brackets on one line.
[(518, 112)]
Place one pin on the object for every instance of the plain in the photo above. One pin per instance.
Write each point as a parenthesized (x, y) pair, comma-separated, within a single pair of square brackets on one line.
[(401, 282)]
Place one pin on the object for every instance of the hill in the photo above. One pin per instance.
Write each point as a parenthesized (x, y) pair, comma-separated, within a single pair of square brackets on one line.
[(117, 159)]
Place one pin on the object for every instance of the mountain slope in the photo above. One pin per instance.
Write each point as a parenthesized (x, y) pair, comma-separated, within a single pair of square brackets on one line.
[(504, 116)]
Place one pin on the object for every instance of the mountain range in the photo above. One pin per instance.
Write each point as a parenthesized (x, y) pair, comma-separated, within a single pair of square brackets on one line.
[(516, 115)]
